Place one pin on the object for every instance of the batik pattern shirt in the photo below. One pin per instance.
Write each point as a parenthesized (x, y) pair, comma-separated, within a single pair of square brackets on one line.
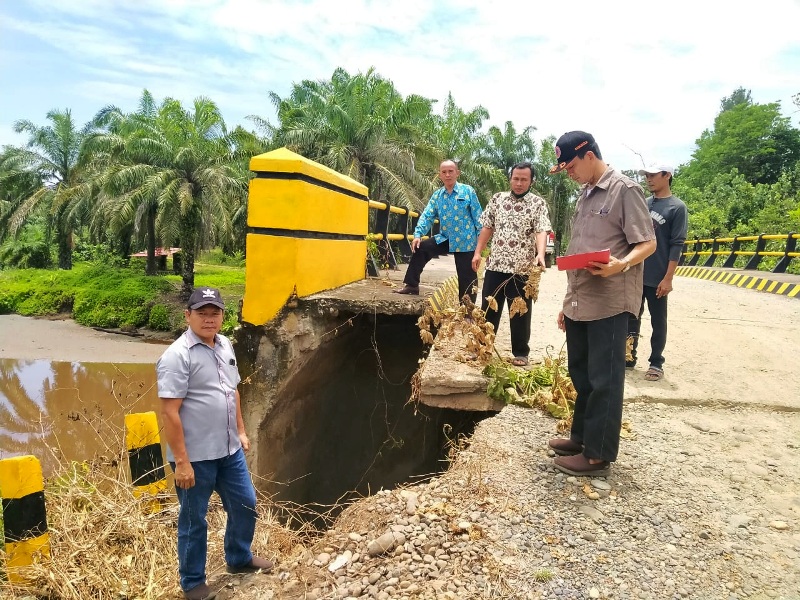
[(515, 222), (459, 214)]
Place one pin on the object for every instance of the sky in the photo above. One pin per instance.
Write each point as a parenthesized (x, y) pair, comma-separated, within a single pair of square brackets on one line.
[(646, 78)]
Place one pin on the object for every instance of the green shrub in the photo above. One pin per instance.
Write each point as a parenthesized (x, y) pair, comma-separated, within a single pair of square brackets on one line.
[(216, 256), (45, 302), (160, 318), (231, 319)]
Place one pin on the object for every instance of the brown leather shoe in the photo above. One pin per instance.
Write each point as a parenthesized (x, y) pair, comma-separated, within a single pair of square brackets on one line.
[(408, 289), (579, 466), (256, 564), (201, 592), (565, 446)]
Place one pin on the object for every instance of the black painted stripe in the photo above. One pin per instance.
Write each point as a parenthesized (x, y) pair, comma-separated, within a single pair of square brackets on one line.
[(24, 518), (147, 464), (311, 180), (305, 234)]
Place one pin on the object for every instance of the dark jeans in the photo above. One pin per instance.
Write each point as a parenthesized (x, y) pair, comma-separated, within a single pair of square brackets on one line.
[(428, 249), (596, 360), (658, 319), (505, 287), (230, 478)]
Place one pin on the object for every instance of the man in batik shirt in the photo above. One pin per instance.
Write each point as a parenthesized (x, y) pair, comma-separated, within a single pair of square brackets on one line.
[(517, 222)]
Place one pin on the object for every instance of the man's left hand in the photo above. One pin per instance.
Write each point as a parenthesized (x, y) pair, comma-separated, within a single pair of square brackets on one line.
[(664, 288), (245, 441)]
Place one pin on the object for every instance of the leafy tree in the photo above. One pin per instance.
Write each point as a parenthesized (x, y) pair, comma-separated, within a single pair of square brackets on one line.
[(54, 153), (739, 96), (752, 138), (16, 184), (780, 212)]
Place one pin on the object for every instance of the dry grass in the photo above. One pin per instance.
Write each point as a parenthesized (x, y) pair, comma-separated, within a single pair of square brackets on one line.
[(106, 544)]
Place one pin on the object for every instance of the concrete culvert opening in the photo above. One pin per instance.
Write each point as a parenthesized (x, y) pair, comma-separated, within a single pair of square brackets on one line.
[(344, 428)]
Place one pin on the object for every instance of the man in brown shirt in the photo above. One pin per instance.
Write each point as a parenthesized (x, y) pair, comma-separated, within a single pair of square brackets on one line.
[(610, 213)]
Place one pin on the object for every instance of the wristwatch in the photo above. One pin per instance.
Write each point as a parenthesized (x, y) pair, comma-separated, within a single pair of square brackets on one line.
[(627, 266)]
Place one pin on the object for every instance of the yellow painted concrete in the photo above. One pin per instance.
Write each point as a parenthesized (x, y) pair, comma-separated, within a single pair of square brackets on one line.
[(283, 160), (299, 205), (22, 554), (276, 265), (21, 476), (141, 429)]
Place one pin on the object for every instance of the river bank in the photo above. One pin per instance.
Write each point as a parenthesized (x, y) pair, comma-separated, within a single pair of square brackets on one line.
[(26, 338)]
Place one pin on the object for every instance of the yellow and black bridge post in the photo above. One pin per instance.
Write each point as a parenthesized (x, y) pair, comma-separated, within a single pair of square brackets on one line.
[(24, 514)]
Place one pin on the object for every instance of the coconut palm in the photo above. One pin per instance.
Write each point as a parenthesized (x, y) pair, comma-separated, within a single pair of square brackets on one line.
[(55, 154)]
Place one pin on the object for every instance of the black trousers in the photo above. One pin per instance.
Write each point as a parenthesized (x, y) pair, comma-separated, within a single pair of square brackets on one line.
[(505, 287), (428, 249), (658, 319), (596, 361)]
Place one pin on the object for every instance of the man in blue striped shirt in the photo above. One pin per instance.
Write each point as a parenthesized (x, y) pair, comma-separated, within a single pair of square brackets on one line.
[(458, 210)]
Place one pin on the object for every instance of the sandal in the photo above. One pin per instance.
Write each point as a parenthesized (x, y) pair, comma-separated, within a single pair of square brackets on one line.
[(520, 361), (654, 374)]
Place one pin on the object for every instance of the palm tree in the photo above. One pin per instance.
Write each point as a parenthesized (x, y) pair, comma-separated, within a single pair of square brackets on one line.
[(169, 169), (55, 154), (506, 148), (456, 133), (362, 127)]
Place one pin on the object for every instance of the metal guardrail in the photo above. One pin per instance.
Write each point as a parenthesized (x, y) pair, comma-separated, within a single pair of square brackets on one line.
[(407, 221), (755, 247)]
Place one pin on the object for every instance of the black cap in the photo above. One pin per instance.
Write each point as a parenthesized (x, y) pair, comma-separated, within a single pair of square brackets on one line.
[(204, 296), (568, 146)]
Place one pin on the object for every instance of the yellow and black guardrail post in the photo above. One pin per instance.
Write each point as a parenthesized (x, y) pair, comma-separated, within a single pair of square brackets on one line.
[(24, 514), (307, 228), (146, 461), (446, 295)]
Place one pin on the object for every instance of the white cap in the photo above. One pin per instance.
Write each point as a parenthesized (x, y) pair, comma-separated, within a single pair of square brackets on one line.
[(657, 168)]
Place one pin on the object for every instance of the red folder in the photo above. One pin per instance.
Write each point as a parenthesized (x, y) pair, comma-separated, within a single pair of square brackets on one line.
[(581, 261)]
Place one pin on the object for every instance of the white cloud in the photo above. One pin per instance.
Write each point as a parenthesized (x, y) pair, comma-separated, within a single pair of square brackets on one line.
[(643, 78)]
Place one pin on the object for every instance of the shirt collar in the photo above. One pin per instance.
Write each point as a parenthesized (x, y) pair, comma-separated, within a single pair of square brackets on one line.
[(526, 198), (602, 183), (193, 340), (456, 189)]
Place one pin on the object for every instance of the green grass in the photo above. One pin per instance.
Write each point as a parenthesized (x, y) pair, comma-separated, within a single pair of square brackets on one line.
[(104, 296)]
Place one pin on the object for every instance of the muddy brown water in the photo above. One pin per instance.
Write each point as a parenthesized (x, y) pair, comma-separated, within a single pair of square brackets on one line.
[(70, 411)]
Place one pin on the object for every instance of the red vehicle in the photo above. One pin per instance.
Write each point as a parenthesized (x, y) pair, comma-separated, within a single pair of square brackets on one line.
[(550, 250)]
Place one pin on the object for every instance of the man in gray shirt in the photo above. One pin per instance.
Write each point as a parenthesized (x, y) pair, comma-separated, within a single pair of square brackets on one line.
[(670, 220), (206, 439)]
